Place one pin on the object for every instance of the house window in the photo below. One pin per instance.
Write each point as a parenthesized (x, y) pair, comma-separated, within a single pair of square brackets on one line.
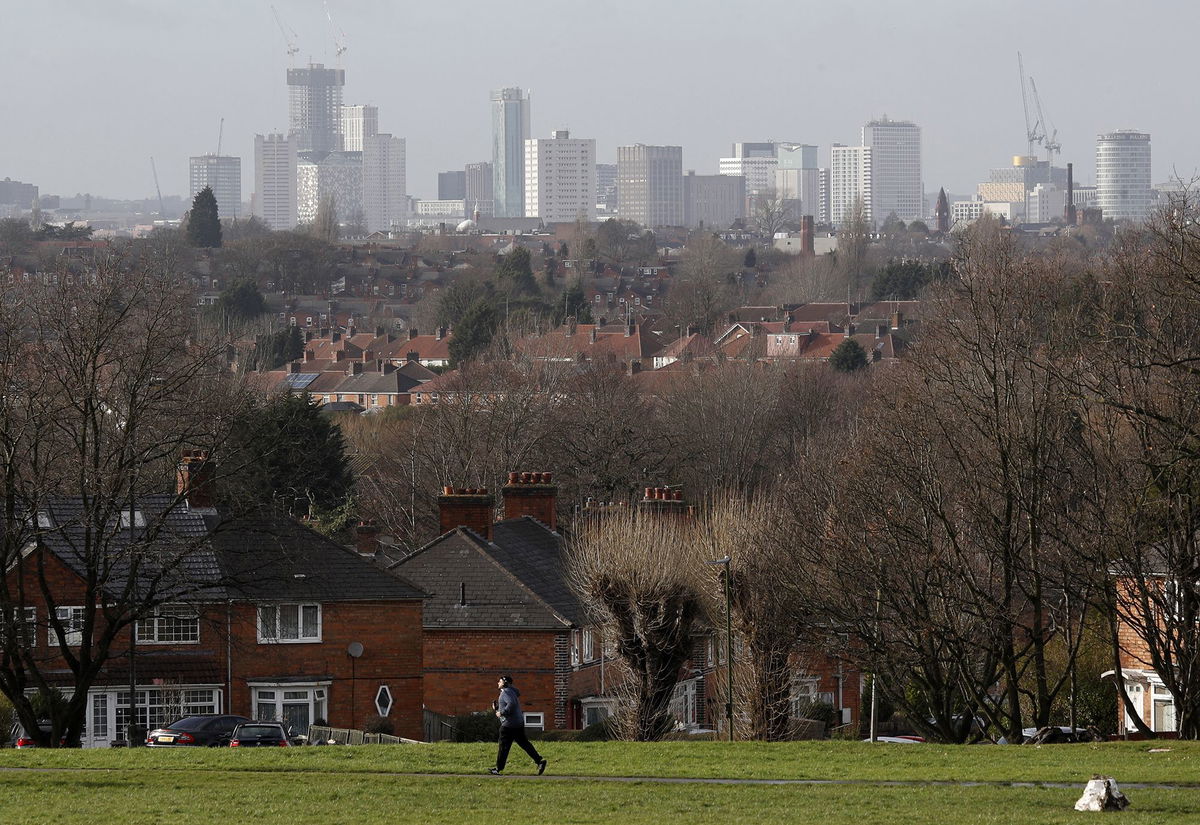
[(683, 703), (575, 657), (133, 518), (535, 721), (589, 646), (71, 619), (170, 625), (295, 705), (160, 706), (100, 716), (289, 623)]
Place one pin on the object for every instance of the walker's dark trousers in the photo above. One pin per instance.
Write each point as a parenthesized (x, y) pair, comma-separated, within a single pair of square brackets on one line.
[(507, 737)]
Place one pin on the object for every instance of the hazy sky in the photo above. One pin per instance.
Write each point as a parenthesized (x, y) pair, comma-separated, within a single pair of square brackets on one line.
[(90, 90)]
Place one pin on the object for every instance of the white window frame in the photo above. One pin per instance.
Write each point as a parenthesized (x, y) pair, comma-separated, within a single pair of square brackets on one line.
[(588, 645), (152, 629), (71, 617), (271, 636), (535, 721), (268, 698)]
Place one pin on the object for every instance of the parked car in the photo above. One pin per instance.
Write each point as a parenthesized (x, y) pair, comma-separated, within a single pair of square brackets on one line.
[(18, 738), (258, 734), (202, 730)]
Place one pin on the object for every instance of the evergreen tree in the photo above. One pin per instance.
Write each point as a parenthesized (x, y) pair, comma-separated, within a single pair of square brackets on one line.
[(204, 224), (240, 301), (292, 454), (474, 332), (848, 357), (751, 259), (516, 272)]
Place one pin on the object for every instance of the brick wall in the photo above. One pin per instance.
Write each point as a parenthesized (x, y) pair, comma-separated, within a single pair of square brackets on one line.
[(461, 668)]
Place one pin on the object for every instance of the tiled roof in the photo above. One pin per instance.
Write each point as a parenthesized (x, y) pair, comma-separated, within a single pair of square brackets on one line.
[(470, 587), (534, 554)]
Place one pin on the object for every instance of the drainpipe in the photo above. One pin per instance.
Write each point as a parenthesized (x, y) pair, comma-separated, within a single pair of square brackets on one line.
[(229, 656)]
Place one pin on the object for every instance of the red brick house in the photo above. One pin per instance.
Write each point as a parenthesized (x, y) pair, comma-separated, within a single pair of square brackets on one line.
[(257, 617)]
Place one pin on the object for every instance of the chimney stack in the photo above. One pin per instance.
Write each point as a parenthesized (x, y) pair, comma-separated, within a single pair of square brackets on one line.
[(665, 501), (413, 332), (531, 494), (194, 480), (366, 538), (807, 242), (471, 507)]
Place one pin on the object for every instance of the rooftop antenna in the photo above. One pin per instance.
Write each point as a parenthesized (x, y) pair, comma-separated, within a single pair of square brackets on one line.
[(339, 36), (289, 36)]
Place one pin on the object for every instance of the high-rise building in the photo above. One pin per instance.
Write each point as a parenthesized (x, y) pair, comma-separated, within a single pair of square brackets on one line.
[(478, 196), (560, 178), (275, 180), (606, 187), (510, 130), (338, 175), (221, 173), (384, 195), (1123, 174), (650, 184), (315, 108), (13, 192), (896, 185), (713, 201), (452, 185), (849, 182), (358, 122), (756, 162)]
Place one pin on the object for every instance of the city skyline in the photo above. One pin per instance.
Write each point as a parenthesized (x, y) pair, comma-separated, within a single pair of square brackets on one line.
[(963, 90)]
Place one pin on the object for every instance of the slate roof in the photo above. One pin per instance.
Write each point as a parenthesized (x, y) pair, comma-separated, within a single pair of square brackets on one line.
[(282, 560), (518, 580), (198, 557)]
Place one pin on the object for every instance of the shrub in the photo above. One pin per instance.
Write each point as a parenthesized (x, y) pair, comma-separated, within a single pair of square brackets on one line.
[(476, 727), (379, 724)]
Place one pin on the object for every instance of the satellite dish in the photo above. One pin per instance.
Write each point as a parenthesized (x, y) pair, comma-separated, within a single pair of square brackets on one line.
[(355, 650)]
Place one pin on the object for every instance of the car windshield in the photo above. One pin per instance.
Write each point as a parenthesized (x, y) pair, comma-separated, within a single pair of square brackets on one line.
[(246, 731)]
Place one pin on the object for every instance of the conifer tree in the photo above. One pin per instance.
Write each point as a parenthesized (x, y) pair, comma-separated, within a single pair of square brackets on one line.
[(204, 224)]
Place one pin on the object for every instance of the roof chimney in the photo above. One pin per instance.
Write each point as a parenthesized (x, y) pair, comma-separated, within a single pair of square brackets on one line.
[(194, 480), (807, 244), (471, 507), (665, 501), (531, 494), (1069, 210), (413, 332), (366, 538)]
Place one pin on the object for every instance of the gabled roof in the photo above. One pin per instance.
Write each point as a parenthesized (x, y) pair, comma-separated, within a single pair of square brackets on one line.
[(517, 580)]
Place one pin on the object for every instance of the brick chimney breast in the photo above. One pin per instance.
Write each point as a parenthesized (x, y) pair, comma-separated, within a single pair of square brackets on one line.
[(194, 480), (532, 494), (466, 507)]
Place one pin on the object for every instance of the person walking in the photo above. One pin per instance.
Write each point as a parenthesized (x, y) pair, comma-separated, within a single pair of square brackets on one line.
[(512, 726)]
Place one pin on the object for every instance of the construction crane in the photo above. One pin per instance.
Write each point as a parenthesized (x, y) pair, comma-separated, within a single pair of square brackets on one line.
[(220, 134), (1050, 141), (339, 36), (162, 209), (289, 35), (1033, 134)]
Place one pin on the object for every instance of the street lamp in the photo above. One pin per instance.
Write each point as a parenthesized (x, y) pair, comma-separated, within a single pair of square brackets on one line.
[(724, 562)]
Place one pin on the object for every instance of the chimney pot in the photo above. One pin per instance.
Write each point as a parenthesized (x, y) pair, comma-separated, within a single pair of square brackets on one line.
[(513, 478), (525, 478), (649, 494)]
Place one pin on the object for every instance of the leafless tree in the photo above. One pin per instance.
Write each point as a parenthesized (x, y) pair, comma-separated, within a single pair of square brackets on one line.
[(104, 378), (642, 576), (770, 214)]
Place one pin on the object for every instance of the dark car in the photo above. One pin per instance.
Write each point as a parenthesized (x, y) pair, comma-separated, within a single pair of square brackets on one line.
[(258, 734), (203, 730)]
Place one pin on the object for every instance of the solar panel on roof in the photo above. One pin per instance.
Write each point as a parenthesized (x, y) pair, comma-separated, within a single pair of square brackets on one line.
[(300, 380)]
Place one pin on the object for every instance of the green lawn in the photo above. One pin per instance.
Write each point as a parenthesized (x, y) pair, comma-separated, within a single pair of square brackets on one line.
[(376, 784)]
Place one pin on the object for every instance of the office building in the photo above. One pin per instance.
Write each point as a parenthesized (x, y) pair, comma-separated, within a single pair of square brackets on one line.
[(713, 201), (849, 183), (650, 185), (560, 178), (452, 185), (358, 122), (1123, 174), (15, 193), (384, 186), (275, 181), (756, 162), (510, 130), (338, 175), (896, 186), (606, 188), (315, 108), (223, 175), (478, 195)]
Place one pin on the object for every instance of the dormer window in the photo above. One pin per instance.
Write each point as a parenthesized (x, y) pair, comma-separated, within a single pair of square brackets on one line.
[(132, 518)]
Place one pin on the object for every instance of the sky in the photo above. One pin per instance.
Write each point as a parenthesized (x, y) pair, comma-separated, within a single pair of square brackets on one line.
[(89, 91)]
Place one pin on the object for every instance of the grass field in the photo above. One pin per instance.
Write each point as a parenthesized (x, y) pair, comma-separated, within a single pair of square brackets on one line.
[(389, 784)]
